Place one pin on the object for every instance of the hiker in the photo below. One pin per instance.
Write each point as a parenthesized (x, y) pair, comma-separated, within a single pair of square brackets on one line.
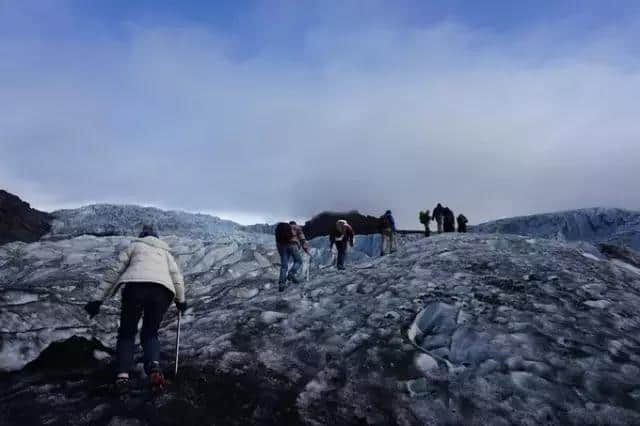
[(387, 232), (340, 236), (424, 219), (438, 216), (448, 220), (289, 240), (462, 223), (150, 280)]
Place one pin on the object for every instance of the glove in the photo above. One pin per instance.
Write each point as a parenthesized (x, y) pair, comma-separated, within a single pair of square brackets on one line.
[(182, 306), (93, 308)]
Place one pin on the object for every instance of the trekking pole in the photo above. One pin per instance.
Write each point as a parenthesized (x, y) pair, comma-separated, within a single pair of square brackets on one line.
[(178, 342), (308, 265)]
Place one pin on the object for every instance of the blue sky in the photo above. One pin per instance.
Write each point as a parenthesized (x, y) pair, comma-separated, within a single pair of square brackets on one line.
[(264, 110)]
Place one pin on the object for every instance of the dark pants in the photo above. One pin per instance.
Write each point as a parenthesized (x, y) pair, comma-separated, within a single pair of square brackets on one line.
[(427, 231), (342, 253), (137, 298), (289, 251)]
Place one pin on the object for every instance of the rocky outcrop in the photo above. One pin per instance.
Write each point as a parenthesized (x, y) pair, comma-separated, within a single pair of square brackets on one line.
[(324, 223), (19, 222), (453, 329), (615, 226)]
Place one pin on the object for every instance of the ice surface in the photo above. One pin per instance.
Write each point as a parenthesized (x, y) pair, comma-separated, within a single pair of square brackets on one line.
[(626, 266), (409, 338), (616, 226)]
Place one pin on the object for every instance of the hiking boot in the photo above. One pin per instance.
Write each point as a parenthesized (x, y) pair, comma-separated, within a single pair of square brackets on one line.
[(158, 383), (281, 287), (293, 279), (122, 385)]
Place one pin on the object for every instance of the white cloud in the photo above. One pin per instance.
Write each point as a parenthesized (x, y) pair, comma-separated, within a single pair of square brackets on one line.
[(369, 119)]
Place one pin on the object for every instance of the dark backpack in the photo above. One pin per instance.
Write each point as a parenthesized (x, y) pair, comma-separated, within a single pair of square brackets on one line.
[(385, 223), (423, 218), (284, 233)]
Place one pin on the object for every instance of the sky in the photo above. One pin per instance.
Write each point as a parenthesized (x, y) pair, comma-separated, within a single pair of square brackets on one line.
[(261, 111)]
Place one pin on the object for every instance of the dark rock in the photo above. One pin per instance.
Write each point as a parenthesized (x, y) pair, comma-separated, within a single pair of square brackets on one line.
[(323, 223), (19, 222)]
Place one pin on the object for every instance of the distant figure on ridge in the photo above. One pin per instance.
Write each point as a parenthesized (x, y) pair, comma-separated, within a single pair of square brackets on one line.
[(387, 232), (438, 216), (340, 236), (289, 240), (448, 220), (462, 223), (425, 219), (150, 281)]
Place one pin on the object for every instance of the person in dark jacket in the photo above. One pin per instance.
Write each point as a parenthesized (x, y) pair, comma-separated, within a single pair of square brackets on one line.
[(290, 249), (387, 232), (341, 235), (425, 219), (438, 216), (448, 220), (462, 223), (150, 280)]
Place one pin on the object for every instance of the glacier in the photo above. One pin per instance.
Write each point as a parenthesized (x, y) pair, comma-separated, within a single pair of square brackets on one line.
[(478, 328), (616, 226)]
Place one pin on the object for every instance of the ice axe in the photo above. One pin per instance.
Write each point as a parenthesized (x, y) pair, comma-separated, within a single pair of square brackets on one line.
[(178, 343)]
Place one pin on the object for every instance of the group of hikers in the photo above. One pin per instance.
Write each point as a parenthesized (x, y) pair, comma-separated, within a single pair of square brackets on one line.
[(150, 280), (445, 220)]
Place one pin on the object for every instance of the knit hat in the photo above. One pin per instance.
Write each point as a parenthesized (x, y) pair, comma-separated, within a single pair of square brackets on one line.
[(148, 231)]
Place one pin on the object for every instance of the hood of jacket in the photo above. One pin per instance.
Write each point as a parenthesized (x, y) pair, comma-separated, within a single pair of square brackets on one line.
[(153, 242)]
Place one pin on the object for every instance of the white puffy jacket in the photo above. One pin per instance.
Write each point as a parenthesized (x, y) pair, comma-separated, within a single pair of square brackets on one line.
[(146, 259)]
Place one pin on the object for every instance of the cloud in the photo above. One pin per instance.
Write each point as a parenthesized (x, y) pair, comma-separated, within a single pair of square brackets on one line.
[(370, 118)]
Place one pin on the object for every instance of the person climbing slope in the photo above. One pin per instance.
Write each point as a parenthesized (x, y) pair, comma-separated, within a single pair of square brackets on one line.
[(425, 219), (462, 223), (448, 220), (150, 280), (438, 216), (387, 232), (341, 235), (289, 240)]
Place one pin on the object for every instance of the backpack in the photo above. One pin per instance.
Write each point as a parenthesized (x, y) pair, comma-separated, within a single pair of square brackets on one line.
[(423, 219), (385, 223), (284, 233)]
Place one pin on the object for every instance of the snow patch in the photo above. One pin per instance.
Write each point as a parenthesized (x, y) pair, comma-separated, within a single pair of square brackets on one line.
[(590, 256), (625, 265), (18, 297), (270, 317), (426, 363), (100, 355), (598, 304), (246, 293)]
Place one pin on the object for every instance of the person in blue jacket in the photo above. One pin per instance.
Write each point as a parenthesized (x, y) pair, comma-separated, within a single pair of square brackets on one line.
[(388, 232)]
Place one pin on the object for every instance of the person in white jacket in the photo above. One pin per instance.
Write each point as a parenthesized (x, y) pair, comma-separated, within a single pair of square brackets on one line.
[(150, 280)]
